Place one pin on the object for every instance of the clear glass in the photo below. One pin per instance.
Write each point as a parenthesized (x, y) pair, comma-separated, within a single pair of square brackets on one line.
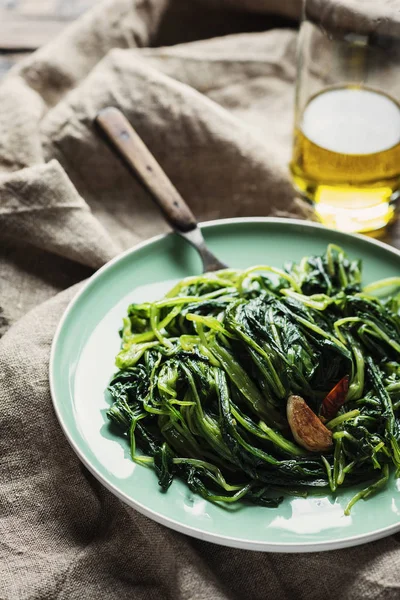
[(346, 146)]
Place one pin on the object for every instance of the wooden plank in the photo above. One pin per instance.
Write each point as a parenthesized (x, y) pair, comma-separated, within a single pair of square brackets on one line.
[(28, 24), (67, 9), (22, 33)]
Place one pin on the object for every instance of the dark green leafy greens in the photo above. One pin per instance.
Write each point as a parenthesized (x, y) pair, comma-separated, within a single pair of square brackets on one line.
[(205, 374)]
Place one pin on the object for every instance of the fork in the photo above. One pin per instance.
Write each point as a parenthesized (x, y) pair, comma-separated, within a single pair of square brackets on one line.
[(141, 163)]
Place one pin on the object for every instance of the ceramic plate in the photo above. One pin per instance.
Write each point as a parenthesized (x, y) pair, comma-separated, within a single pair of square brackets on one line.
[(82, 361)]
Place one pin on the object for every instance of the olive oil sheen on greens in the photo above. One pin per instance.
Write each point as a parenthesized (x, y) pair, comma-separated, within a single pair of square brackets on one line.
[(346, 157)]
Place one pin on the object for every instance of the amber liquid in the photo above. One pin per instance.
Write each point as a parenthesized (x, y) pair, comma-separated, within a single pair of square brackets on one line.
[(346, 157)]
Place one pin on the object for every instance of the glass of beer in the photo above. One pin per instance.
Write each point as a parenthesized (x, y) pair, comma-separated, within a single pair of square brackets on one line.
[(346, 149)]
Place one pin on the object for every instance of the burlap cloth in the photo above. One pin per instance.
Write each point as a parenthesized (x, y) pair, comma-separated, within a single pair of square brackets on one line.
[(218, 115)]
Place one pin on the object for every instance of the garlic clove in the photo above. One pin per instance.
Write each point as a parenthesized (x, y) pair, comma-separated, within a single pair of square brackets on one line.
[(307, 429)]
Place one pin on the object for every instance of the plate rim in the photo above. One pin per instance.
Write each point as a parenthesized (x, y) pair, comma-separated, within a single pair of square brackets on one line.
[(216, 538)]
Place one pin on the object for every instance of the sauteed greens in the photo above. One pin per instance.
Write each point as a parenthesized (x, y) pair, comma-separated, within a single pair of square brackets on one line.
[(205, 373)]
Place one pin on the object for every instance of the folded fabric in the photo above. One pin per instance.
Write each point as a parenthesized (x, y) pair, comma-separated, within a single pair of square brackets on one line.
[(218, 115)]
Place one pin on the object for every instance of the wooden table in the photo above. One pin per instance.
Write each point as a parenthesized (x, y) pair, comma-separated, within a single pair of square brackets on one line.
[(25, 25), (392, 236)]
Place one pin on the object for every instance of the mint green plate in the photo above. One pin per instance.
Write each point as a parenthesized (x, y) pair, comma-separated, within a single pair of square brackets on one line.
[(82, 361)]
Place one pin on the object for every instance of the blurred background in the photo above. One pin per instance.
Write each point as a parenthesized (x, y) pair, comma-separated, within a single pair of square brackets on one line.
[(25, 25)]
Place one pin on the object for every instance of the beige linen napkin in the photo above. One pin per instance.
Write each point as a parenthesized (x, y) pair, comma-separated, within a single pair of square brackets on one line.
[(217, 114)]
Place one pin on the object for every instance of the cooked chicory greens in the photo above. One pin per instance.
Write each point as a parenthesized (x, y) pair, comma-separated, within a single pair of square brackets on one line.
[(206, 372)]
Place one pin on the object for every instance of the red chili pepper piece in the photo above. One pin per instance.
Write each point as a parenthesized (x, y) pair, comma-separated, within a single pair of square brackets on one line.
[(335, 399)]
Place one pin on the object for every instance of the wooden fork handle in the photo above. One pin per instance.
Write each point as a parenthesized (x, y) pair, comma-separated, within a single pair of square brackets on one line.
[(142, 163)]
